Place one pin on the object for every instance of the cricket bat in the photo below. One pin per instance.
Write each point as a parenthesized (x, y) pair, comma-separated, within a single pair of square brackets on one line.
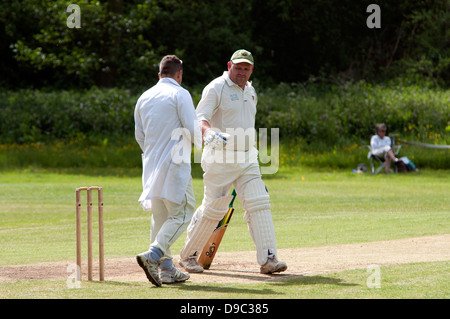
[(209, 251)]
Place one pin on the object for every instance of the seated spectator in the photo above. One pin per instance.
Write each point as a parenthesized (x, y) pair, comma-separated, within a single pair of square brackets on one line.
[(382, 146)]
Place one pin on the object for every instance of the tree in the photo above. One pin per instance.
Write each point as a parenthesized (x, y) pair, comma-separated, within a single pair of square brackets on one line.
[(204, 34), (107, 50), (121, 42)]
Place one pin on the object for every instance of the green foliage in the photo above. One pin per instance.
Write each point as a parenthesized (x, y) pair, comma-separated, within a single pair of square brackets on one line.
[(204, 34), (426, 52), (120, 42), (39, 116), (298, 153), (108, 49), (88, 155), (350, 111), (314, 112), (320, 125), (73, 154)]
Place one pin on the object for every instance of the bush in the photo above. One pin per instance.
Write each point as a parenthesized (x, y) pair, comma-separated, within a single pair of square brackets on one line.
[(320, 125), (348, 112), (326, 115), (36, 116)]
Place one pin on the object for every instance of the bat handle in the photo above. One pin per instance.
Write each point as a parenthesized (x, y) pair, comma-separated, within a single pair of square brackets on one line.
[(234, 196)]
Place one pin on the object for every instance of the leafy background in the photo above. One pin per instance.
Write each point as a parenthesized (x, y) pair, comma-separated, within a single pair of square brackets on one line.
[(323, 77)]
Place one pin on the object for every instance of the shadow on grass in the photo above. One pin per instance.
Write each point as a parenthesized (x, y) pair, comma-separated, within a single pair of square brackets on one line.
[(313, 280), (272, 281), (226, 289)]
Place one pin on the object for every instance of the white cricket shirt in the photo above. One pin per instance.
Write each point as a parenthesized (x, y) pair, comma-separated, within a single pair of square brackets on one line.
[(227, 108)]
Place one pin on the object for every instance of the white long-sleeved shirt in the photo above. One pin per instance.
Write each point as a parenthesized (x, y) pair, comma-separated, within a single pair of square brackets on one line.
[(161, 113)]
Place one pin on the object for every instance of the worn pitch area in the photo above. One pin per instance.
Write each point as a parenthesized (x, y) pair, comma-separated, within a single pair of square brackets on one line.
[(241, 267)]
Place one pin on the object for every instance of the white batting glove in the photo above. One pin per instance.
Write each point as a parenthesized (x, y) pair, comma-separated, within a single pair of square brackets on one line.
[(216, 140)]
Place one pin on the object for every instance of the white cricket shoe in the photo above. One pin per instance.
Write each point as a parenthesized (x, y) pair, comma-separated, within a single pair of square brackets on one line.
[(273, 265), (172, 276), (191, 265)]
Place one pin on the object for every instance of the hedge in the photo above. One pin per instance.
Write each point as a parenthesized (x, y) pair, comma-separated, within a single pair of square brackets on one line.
[(330, 115)]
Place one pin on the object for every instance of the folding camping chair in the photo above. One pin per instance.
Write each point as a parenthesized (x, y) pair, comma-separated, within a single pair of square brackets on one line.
[(381, 161)]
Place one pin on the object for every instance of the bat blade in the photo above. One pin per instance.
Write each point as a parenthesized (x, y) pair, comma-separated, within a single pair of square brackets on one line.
[(209, 251)]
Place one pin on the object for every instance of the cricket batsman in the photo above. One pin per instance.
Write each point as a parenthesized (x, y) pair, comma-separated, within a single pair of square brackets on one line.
[(226, 113)]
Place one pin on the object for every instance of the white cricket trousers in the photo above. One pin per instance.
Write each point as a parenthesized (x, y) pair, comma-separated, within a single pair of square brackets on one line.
[(170, 220), (219, 176), (245, 176)]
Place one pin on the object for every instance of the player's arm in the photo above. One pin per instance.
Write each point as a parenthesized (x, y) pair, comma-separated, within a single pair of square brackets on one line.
[(208, 105), (204, 125), (138, 128), (188, 117)]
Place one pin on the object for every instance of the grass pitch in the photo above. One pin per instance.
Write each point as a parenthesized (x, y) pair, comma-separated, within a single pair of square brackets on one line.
[(310, 208)]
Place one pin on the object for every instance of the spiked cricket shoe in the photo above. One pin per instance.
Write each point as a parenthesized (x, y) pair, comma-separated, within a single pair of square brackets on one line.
[(172, 276), (273, 265), (150, 268), (191, 265)]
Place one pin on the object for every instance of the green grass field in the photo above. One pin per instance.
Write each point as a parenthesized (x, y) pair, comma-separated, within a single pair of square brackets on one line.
[(310, 208)]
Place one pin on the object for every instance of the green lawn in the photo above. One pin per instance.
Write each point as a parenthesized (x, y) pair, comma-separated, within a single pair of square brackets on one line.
[(310, 208)]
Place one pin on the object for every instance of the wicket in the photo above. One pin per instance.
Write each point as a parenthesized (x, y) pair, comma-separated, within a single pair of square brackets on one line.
[(89, 230)]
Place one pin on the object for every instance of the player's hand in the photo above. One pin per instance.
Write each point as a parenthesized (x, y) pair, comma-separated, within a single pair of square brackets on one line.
[(216, 140)]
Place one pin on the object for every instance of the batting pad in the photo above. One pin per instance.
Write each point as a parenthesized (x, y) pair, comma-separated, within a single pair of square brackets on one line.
[(255, 201), (202, 226)]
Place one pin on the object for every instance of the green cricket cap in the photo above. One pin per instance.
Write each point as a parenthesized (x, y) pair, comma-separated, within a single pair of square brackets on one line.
[(242, 56)]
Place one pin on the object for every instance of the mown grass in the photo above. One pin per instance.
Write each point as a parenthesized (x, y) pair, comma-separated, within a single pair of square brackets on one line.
[(310, 208), (409, 281)]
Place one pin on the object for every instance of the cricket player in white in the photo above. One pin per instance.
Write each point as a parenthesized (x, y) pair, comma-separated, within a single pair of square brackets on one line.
[(226, 113), (165, 122)]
